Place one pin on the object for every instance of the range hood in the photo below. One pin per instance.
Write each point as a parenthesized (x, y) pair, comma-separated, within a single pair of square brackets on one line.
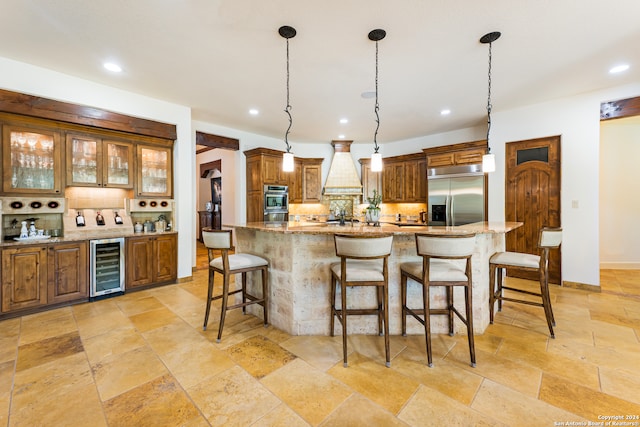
[(343, 177)]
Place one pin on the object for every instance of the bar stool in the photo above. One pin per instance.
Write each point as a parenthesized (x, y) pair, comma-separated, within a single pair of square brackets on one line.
[(441, 266), (548, 238), (220, 240), (363, 262)]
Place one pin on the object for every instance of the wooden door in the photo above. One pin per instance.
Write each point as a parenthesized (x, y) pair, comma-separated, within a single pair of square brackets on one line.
[(532, 196), (312, 184), (165, 258), (139, 265), (24, 278), (68, 272)]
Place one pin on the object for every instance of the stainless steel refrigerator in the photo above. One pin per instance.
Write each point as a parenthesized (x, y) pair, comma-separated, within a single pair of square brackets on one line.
[(456, 195)]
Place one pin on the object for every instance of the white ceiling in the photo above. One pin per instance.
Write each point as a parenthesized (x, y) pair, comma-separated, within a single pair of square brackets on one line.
[(223, 57)]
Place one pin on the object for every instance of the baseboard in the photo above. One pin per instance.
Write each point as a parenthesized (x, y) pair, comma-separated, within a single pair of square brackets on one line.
[(185, 279), (620, 265), (583, 286)]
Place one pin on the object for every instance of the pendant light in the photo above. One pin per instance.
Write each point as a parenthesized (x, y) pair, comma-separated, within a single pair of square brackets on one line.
[(287, 161), (376, 158), (489, 159)]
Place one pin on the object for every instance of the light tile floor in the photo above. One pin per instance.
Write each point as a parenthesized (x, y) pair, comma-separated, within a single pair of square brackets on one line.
[(143, 359)]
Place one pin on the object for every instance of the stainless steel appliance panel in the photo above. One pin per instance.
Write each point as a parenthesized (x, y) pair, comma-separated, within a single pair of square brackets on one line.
[(456, 199), (107, 266), (276, 203)]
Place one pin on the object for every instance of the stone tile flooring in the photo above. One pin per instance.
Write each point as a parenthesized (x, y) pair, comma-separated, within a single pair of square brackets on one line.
[(142, 359)]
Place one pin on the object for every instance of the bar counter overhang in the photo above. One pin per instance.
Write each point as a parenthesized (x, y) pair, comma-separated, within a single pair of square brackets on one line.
[(299, 256)]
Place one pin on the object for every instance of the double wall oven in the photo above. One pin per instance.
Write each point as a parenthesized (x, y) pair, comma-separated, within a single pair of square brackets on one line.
[(276, 203)]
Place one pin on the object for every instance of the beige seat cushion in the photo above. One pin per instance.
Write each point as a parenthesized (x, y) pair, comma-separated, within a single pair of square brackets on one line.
[(439, 270), (516, 259), (360, 270), (240, 261)]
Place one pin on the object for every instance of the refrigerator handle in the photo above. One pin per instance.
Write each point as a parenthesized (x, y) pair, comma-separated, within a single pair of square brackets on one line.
[(453, 213), (448, 216)]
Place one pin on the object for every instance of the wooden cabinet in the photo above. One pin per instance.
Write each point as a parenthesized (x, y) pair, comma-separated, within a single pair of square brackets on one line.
[(154, 171), (151, 260), (24, 278), (205, 220), (264, 166), (38, 275), (32, 160), (94, 162), (370, 180), (466, 153), (311, 175), (392, 181), (404, 179), (68, 275)]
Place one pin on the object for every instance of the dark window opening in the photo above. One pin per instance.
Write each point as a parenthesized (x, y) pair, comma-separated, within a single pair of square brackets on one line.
[(540, 154)]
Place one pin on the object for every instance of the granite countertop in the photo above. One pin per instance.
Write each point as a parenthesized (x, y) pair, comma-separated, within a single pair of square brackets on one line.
[(301, 227), (77, 238)]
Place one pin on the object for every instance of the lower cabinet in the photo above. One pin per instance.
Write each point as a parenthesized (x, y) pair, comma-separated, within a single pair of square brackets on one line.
[(151, 260), (41, 275), (68, 272)]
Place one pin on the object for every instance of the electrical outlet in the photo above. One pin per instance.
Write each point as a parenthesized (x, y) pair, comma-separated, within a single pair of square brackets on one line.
[(575, 204)]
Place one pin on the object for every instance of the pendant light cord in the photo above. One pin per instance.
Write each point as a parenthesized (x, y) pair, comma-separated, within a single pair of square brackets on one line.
[(288, 107), (489, 106), (377, 107)]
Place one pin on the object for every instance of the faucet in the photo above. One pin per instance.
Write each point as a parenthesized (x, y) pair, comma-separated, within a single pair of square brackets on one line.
[(342, 214)]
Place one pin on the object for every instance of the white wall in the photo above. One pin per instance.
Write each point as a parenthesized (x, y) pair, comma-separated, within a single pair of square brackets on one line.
[(619, 201), (577, 121), (24, 78)]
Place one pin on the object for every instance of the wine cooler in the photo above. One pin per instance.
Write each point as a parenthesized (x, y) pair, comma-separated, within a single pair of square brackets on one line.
[(107, 266)]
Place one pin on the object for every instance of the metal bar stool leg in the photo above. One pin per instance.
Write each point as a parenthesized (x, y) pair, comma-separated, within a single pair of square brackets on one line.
[(492, 292), (333, 305), (450, 308)]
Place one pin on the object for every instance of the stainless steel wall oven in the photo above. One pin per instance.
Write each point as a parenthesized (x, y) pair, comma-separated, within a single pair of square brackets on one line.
[(276, 203), (107, 266)]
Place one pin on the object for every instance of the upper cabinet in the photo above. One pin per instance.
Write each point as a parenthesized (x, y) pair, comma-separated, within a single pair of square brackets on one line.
[(370, 180), (41, 156), (94, 162), (466, 153), (404, 179), (154, 168), (31, 160)]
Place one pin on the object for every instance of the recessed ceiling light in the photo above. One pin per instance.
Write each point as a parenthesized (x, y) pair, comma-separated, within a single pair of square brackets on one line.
[(112, 67), (343, 121), (254, 112), (340, 136), (619, 68), (445, 112), (369, 94)]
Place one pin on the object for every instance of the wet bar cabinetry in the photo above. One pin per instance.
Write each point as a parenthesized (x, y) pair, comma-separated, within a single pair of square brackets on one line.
[(150, 260), (97, 162), (31, 159), (44, 157), (37, 276), (154, 165)]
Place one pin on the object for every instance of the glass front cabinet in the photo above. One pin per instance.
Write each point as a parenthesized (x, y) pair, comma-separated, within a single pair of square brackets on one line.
[(97, 162), (31, 160), (154, 170)]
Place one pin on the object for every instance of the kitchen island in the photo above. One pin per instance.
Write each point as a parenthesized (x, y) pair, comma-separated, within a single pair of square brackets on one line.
[(299, 255)]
